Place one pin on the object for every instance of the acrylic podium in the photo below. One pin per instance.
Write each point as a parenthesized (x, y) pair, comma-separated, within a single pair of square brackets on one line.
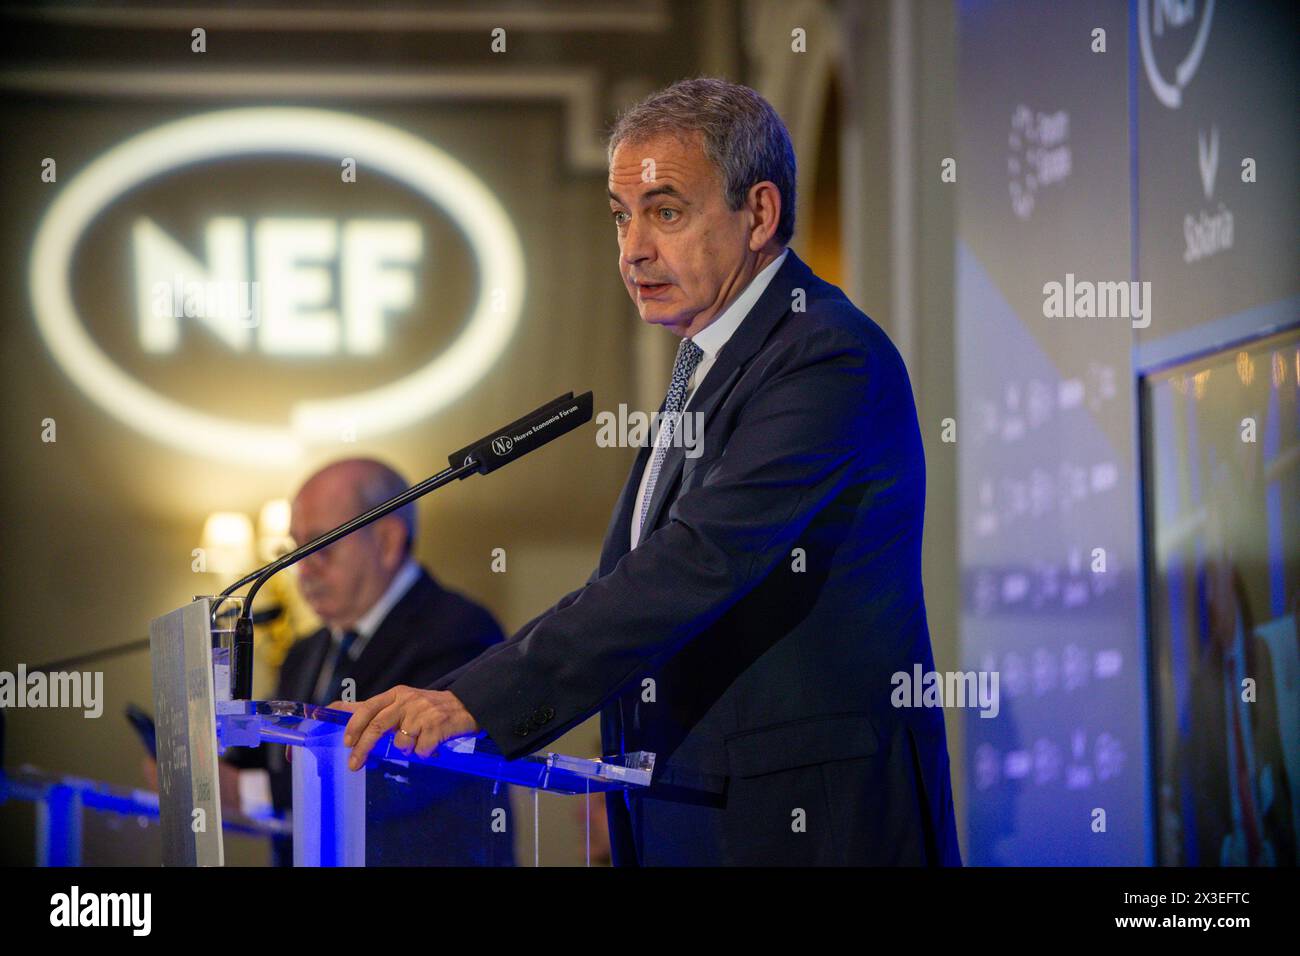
[(453, 801)]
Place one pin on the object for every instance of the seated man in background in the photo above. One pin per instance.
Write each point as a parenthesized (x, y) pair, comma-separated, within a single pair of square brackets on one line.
[(385, 621)]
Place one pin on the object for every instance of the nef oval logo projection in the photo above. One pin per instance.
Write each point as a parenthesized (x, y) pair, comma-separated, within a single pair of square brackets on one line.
[(1172, 39), (219, 284)]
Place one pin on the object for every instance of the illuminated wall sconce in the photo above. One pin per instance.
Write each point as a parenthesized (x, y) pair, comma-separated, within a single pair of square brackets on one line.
[(227, 543), (273, 538)]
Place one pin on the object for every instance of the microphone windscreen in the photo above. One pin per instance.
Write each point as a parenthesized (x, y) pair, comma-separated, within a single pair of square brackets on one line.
[(557, 417)]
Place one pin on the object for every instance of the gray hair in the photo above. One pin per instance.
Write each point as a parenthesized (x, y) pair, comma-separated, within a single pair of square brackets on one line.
[(743, 136), (378, 483)]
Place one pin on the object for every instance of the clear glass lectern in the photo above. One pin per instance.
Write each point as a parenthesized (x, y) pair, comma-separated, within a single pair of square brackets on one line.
[(451, 808)]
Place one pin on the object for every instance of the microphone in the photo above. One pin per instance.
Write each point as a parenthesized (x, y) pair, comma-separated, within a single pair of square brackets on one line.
[(557, 417), (506, 444)]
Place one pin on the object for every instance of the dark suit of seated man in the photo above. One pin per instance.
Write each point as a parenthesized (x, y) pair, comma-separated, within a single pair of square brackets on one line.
[(386, 621), (753, 598)]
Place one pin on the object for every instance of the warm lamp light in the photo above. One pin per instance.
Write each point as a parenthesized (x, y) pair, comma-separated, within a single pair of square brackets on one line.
[(227, 542)]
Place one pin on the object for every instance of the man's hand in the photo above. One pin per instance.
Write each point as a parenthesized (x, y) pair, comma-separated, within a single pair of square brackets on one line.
[(420, 719)]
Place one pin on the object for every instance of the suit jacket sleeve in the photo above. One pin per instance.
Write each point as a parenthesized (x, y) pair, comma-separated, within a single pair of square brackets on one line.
[(444, 681), (827, 414)]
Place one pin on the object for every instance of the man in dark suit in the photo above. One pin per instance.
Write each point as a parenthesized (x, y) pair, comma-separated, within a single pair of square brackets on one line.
[(385, 621), (753, 598)]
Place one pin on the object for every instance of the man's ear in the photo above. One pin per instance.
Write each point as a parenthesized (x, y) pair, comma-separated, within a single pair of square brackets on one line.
[(764, 202), (392, 541)]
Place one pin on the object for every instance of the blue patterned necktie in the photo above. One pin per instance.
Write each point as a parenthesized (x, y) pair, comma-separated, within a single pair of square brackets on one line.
[(688, 357)]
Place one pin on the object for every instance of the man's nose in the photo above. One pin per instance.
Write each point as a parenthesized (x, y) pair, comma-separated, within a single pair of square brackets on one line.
[(638, 244)]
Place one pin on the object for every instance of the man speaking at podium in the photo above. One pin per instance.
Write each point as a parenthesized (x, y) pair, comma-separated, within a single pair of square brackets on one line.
[(753, 600)]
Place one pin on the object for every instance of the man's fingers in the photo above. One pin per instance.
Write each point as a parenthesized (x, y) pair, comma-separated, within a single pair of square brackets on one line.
[(418, 724), (404, 739), (383, 721), (363, 714), (414, 726), (431, 734)]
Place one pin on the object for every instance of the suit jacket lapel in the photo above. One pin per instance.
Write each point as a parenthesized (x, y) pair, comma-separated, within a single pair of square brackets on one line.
[(749, 336), (703, 403), (618, 534), (316, 651)]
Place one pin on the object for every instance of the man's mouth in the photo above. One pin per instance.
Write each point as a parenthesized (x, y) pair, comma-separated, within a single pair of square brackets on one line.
[(649, 289)]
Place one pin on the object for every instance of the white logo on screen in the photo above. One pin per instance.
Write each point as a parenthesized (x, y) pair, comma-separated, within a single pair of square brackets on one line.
[(1207, 158), (1038, 155), (1174, 17), (1208, 232), (374, 259)]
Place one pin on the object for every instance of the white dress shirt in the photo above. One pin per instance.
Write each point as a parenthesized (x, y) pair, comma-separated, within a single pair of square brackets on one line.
[(369, 622), (711, 339)]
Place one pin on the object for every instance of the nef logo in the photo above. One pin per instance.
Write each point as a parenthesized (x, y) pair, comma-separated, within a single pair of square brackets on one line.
[(293, 306), (218, 285), (1172, 38), (501, 446)]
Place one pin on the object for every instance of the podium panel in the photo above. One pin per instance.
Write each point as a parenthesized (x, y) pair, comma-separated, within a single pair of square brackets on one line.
[(453, 808), (180, 653)]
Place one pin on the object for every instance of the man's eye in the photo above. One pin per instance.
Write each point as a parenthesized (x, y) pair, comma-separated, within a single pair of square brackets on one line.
[(667, 214), (616, 213)]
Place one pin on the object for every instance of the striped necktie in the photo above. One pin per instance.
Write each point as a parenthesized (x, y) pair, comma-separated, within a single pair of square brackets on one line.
[(688, 357)]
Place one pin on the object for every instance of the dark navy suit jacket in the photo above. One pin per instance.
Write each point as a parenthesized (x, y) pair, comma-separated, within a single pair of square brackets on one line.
[(750, 638)]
